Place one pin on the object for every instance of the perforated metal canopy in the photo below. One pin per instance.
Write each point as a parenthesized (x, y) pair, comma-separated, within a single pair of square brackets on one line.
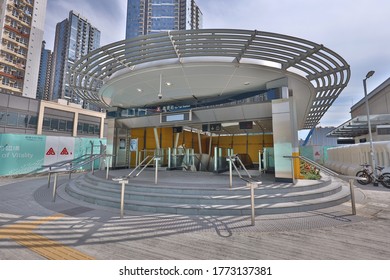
[(94, 76)]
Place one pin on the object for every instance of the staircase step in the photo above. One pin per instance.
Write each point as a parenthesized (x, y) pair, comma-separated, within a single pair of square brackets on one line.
[(192, 199), (205, 209)]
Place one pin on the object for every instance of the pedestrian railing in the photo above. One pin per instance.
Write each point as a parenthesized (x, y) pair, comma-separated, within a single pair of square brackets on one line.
[(250, 182), (70, 166), (332, 173), (125, 179)]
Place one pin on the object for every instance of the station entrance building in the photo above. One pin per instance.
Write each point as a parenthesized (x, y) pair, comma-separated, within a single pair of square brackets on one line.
[(205, 94)]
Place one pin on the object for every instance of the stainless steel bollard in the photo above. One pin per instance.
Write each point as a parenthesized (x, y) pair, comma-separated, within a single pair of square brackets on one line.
[(156, 170), (123, 182), (55, 187), (252, 186), (352, 197), (230, 172)]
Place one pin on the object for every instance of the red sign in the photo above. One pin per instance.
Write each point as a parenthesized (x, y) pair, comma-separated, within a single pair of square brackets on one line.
[(64, 152), (51, 152)]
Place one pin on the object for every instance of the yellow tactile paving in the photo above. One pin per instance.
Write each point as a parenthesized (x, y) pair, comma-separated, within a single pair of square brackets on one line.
[(23, 234)]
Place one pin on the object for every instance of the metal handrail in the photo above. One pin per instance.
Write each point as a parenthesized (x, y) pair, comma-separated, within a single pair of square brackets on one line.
[(60, 168), (325, 169), (333, 174), (231, 163), (137, 167), (125, 179)]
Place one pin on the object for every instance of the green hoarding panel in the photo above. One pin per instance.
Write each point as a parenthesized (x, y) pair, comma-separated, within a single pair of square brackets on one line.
[(21, 154)]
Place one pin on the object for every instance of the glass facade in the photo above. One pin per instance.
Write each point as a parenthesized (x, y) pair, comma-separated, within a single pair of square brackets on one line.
[(152, 16), (75, 37), (43, 88)]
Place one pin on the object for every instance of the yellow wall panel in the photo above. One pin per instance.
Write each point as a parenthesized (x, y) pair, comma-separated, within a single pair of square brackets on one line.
[(241, 144)]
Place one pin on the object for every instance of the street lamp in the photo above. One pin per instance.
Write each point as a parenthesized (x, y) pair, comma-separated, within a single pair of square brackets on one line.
[(373, 163)]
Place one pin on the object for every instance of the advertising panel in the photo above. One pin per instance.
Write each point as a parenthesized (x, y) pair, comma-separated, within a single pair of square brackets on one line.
[(21, 154)]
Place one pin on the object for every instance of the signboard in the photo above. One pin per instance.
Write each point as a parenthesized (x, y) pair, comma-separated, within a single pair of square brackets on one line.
[(177, 129), (176, 117), (134, 145), (215, 127), (246, 125), (58, 149), (212, 127), (21, 154)]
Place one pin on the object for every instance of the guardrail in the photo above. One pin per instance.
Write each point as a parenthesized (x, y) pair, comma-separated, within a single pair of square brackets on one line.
[(73, 165), (252, 184), (125, 179), (330, 172)]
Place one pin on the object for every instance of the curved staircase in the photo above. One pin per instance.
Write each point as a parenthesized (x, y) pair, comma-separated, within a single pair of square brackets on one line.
[(197, 197)]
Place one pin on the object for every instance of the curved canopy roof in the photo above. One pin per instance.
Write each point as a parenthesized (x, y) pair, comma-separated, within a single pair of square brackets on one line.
[(204, 64)]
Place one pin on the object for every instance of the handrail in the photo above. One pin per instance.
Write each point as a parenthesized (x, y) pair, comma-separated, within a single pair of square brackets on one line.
[(61, 163), (230, 158), (325, 170), (125, 179), (138, 166), (60, 168), (334, 174)]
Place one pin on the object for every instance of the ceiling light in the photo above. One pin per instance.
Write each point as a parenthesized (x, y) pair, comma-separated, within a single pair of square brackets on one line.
[(139, 90), (168, 84), (247, 83)]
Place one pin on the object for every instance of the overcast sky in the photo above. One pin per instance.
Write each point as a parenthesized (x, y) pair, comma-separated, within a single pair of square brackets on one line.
[(358, 30)]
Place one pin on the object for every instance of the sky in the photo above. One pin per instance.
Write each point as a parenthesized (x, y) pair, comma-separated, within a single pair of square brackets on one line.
[(358, 30)]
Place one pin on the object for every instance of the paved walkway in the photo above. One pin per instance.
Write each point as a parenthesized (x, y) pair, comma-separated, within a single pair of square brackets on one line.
[(34, 227)]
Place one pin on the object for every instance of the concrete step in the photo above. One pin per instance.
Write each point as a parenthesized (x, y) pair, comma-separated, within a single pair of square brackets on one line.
[(215, 209), (229, 196), (204, 189), (195, 199)]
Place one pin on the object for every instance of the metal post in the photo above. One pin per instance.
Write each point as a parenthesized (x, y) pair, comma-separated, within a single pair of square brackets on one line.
[(372, 153), (169, 158), (252, 186), (156, 170), (70, 171), (93, 162), (123, 182), (107, 167), (352, 197), (216, 159), (230, 171), (55, 187), (49, 177)]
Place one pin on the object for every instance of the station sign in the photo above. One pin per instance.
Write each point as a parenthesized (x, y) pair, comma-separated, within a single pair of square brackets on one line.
[(246, 125), (176, 117), (177, 129), (212, 127)]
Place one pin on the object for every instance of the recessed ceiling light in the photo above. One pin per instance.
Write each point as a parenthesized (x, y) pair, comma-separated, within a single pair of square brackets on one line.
[(139, 90), (247, 83), (168, 84)]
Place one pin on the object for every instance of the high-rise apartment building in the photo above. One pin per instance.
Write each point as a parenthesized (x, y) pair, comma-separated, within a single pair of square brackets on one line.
[(21, 34), (152, 16), (44, 81), (75, 37)]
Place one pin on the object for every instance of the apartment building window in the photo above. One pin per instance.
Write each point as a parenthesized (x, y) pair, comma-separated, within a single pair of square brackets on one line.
[(5, 81)]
